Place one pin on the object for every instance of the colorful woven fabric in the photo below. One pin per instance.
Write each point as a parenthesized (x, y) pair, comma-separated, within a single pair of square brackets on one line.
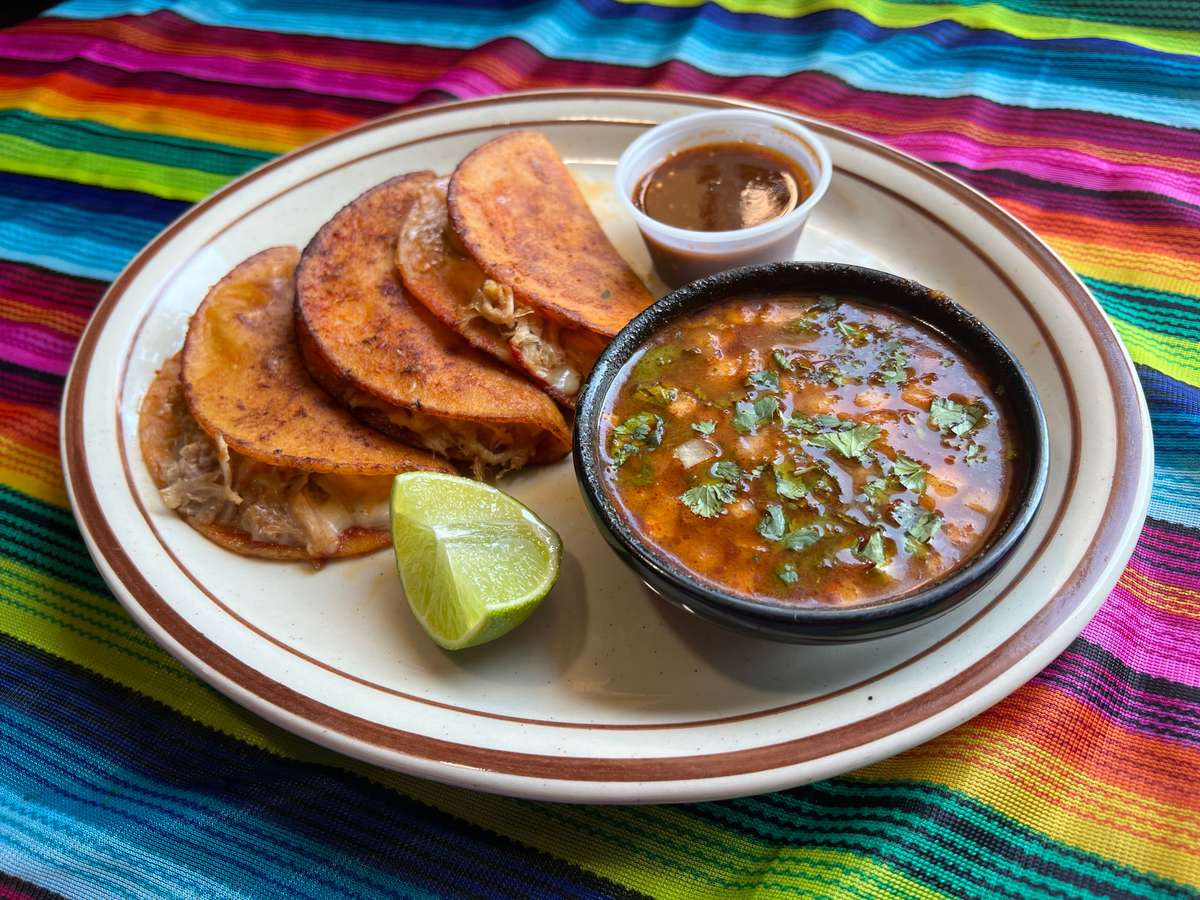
[(124, 775)]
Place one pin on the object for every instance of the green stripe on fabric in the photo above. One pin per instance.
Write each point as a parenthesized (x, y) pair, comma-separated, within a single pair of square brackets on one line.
[(1153, 13), (988, 16), (27, 157), (160, 149), (1170, 313), (55, 617), (900, 796)]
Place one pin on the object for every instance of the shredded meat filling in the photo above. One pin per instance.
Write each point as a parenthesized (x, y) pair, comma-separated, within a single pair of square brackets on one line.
[(533, 338), (210, 484), (491, 449)]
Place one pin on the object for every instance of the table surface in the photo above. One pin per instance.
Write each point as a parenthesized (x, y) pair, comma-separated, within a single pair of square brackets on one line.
[(125, 776)]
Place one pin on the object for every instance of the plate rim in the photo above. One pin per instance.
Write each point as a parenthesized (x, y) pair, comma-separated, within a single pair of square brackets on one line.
[(323, 724)]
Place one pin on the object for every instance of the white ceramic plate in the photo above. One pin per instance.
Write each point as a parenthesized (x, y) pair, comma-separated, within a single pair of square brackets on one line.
[(606, 694)]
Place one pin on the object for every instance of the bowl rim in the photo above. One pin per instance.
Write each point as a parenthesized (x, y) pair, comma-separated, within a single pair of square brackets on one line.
[(911, 607)]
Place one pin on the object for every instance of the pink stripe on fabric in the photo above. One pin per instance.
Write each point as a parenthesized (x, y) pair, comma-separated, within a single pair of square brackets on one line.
[(1052, 164), (261, 73), (36, 347), (1146, 639)]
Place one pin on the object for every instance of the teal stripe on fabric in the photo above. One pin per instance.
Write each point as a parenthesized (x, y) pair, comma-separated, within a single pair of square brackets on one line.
[(74, 786), (161, 149), (894, 797), (59, 854), (901, 63), (1162, 312), (69, 240)]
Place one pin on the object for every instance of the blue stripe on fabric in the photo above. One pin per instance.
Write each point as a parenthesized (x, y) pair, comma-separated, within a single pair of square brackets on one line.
[(70, 240), (173, 824), (1175, 496), (898, 61), (55, 850), (107, 758), (93, 199)]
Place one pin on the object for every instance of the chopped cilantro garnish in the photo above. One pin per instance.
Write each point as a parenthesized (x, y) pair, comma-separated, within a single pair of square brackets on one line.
[(850, 331), (826, 302), (726, 470), (872, 549), (975, 454), (817, 423), (784, 361), (656, 394), (950, 417), (787, 573), (705, 428), (850, 444), (637, 433), (647, 367), (773, 525), (707, 500), (802, 538), (919, 525), (644, 477), (748, 416), (789, 485), (763, 380), (801, 326), (876, 490), (946, 362), (910, 473), (828, 373), (894, 368)]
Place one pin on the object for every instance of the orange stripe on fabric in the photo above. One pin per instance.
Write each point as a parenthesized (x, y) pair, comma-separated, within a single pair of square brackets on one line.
[(1177, 242), (63, 322), (34, 428), (1145, 767), (211, 118), (1162, 595)]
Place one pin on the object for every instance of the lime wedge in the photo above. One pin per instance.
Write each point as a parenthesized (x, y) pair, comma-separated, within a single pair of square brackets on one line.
[(474, 561)]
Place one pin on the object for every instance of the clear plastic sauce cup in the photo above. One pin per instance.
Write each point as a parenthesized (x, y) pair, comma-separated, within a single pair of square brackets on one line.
[(681, 255)]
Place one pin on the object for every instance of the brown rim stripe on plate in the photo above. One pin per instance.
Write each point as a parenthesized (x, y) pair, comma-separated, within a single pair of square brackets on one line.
[(1053, 613), (1035, 557)]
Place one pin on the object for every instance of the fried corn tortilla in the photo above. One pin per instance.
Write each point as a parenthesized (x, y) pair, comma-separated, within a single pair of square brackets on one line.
[(437, 271), (393, 363), (446, 279), (248, 449), (521, 216)]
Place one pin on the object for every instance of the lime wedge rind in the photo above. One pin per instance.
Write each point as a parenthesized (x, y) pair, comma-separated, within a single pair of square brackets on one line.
[(474, 562)]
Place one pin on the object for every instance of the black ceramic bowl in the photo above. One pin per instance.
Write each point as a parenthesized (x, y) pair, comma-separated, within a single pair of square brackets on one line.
[(778, 620)]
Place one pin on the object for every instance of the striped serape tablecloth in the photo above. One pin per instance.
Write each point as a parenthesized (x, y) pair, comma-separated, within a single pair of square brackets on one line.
[(122, 775)]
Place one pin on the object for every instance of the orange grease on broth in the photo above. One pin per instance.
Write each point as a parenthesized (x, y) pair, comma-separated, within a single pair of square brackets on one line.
[(706, 359)]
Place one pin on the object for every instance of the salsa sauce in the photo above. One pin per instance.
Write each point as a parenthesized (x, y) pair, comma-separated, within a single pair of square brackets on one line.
[(722, 187), (810, 450)]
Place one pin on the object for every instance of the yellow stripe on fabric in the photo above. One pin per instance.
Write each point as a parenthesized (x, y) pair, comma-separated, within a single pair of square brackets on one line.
[(55, 619), (1137, 268), (983, 16), (160, 119), (1178, 601), (600, 839), (1033, 788), (27, 157), (92, 631), (33, 474), (1173, 356)]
